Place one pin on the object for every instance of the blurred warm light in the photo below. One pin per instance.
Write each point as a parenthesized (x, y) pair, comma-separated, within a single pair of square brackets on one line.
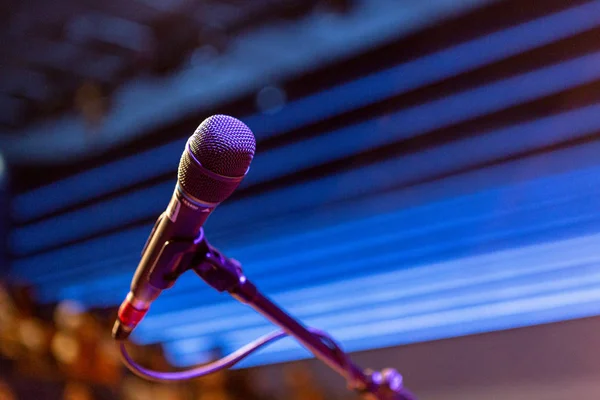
[(65, 348), (301, 383), (69, 315), (107, 363), (8, 349), (134, 389), (5, 392), (8, 336), (91, 103), (109, 351), (77, 391), (32, 335)]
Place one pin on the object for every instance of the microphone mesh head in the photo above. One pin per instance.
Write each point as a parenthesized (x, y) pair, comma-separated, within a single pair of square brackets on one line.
[(223, 145)]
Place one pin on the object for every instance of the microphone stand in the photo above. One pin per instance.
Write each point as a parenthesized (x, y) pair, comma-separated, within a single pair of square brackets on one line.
[(226, 275)]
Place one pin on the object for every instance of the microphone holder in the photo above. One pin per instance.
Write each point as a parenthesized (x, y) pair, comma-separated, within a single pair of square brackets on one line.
[(226, 275)]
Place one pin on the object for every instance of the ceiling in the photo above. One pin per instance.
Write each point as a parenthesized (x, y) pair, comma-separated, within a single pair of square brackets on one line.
[(441, 185), (80, 77), (51, 50)]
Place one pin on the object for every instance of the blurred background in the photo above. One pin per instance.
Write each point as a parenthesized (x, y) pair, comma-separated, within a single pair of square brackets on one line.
[(424, 189)]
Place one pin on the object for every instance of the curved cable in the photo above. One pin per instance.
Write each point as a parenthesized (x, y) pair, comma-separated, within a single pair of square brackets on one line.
[(225, 362)]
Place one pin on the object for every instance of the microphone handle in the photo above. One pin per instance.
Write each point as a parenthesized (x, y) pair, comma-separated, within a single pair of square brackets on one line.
[(183, 220), (165, 256)]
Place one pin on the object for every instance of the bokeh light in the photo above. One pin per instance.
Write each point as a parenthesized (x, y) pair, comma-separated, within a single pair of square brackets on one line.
[(270, 99)]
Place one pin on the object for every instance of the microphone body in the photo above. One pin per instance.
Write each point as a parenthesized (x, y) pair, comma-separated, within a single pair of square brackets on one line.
[(158, 269), (213, 164), (216, 159), (183, 219)]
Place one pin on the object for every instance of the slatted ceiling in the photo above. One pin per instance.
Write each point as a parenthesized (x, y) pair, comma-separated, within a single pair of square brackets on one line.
[(235, 74), (460, 287), (408, 76), (339, 243), (426, 70), (253, 326), (379, 318), (459, 323), (70, 40), (75, 261), (80, 257), (562, 23), (98, 217), (355, 183), (522, 286), (143, 233), (424, 236), (459, 199), (376, 87), (326, 148), (92, 184), (448, 300), (140, 233), (391, 250)]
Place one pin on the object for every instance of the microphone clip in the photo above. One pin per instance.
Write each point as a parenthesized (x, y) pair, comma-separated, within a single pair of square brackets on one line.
[(221, 273)]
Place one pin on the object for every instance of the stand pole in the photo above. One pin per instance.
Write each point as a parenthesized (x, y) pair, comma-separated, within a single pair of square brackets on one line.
[(226, 274)]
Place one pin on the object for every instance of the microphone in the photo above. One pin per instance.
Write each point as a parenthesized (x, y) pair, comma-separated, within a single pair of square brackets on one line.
[(215, 160)]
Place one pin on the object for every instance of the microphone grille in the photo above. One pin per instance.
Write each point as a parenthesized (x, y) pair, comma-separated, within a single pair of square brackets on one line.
[(224, 145)]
